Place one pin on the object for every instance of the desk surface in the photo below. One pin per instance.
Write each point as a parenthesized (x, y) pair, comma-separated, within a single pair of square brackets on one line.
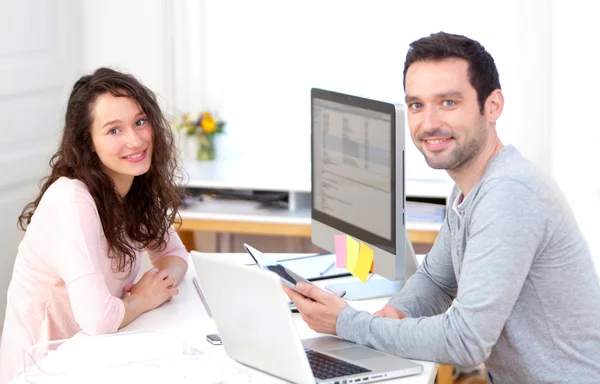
[(249, 211), (186, 317), (260, 174)]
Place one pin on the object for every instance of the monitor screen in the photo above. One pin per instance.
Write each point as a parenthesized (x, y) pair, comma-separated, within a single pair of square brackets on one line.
[(353, 169), (357, 163)]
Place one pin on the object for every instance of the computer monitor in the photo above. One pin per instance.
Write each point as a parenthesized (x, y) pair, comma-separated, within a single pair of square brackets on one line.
[(357, 170)]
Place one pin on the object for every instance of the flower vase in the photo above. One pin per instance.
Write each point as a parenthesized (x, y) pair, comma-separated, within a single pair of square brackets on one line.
[(190, 146), (206, 147)]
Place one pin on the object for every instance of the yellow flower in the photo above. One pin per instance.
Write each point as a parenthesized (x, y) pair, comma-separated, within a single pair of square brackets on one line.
[(208, 123)]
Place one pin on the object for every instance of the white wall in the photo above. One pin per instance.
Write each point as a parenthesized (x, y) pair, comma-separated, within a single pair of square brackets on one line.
[(262, 58), (130, 36), (575, 126), (39, 60)]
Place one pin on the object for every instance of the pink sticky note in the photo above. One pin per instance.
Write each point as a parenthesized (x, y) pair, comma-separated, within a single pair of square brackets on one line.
[(340, 251)]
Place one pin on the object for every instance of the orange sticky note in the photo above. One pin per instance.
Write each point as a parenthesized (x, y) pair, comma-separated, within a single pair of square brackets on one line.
[(364, 262), (351, 253), (340, 251)]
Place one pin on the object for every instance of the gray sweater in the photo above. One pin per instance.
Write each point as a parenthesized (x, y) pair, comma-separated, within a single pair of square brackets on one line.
[(518, 279)]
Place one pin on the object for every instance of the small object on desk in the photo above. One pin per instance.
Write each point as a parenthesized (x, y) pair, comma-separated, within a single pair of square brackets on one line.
[(315, 267), (327, 268), (214, 339)]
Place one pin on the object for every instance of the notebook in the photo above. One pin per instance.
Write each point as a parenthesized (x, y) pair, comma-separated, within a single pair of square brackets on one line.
[(257, 328)]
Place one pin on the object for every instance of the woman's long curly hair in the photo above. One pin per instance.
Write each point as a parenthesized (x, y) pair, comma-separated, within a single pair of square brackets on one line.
[(143, 217)]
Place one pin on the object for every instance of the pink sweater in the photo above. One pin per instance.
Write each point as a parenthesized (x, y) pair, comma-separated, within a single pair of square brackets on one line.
[(62, 280)]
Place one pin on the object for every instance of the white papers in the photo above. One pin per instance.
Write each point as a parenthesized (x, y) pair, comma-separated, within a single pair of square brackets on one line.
[(134, 357)]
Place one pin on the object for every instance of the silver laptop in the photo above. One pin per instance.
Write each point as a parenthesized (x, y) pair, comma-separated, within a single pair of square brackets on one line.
[(251, 313)]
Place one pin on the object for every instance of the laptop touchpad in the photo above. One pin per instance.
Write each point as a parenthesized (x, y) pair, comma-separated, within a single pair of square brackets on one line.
[(355, 353)]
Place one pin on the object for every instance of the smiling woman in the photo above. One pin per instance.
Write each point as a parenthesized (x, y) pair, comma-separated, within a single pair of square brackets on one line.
[(123, 145), (112, 194)]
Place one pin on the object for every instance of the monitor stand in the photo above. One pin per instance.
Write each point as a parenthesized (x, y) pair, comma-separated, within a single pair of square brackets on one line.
[(377, 286)]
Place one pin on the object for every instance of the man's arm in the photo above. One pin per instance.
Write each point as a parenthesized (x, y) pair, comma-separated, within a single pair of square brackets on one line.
[(432, 288), (505, 231)]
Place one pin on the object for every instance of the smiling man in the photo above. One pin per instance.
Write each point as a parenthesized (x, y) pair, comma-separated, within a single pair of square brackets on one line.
[(509, 281)]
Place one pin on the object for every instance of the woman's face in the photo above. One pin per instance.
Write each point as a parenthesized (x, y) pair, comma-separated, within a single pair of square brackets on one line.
[(122, 138)]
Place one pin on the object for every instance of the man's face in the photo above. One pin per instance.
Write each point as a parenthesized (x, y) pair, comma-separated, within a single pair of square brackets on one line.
[(443, 113)]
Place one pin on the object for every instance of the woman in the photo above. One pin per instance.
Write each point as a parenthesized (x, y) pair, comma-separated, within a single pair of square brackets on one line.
[(112, 193)]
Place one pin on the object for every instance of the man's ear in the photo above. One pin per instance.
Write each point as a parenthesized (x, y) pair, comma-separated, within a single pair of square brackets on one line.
[(494, 105)]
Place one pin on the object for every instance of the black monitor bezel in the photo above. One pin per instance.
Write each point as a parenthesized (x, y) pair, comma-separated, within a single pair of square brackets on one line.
[(342, 226)]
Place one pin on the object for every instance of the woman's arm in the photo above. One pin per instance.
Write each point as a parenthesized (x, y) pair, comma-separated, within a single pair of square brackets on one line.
[(174, 265), (154, 288), (174, 258)]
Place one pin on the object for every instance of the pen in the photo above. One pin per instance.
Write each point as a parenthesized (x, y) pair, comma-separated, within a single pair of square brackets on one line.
[(327, 268), (341, 294)]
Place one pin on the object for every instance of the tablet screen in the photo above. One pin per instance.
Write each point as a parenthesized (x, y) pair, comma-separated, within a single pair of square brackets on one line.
[(285, 273), (269, 264)]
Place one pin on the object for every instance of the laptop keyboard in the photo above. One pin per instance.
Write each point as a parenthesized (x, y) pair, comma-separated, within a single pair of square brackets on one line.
[(327, 367)]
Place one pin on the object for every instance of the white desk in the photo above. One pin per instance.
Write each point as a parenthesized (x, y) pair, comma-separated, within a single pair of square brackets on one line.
[(269, 174), (186, 318), (247, 217)]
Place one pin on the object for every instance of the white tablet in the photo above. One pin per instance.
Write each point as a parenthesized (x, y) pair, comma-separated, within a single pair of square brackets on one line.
[(288, 277)]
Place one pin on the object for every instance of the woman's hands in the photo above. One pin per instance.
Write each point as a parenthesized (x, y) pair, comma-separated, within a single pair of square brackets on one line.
[(154, 288)]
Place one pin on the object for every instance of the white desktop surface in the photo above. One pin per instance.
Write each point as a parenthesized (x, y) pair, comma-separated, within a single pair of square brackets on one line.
[(185, 317), (250, 211), (269, 174)]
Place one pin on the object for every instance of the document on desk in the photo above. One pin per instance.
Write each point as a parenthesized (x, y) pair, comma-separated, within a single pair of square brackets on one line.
[(130, 357), (315, 267)]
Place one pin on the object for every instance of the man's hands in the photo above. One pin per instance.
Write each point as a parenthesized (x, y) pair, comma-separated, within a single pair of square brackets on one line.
[(322, 311), (390, 312), (154, 288)]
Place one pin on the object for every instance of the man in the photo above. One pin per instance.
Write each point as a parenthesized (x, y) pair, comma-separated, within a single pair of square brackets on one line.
[(509, 261)]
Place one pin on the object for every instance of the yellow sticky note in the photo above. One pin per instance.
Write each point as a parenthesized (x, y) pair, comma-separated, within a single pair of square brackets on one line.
[(351, 253), (364, 263)]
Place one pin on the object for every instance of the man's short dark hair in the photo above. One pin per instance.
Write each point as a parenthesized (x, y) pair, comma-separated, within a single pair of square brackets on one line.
[(483, 74)]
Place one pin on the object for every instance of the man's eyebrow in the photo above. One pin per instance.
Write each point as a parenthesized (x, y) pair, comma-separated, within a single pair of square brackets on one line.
[(442, 95), (119, 121), (449, 95)]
